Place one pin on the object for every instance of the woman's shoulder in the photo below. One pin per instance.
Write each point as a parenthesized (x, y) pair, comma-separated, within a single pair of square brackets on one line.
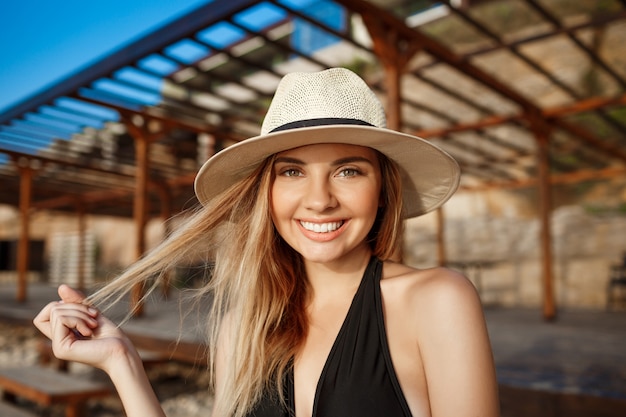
[(433, 288), (431, 279), (434, 306)]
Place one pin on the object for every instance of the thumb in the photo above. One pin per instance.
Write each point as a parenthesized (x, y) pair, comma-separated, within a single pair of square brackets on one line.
[(70, 295)]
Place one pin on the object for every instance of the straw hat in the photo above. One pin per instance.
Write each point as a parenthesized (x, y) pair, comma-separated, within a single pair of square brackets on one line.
[(334, 106)]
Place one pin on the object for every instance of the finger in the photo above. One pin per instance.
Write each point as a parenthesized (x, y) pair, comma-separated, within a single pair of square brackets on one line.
[(51, 312), (70, 295), (89, 312), (63, 337), (67, 328), (42, 320), (74, 316)]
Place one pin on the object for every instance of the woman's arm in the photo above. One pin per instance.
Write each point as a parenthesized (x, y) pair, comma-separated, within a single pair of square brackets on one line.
[(455, 349), (80, 333)]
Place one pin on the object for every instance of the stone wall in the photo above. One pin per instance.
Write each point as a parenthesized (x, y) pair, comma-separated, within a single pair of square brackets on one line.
[(493, 237)]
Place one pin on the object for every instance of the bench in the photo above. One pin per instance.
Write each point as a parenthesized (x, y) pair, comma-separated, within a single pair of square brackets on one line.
[(9, 410), (51, 382), (46, 386)]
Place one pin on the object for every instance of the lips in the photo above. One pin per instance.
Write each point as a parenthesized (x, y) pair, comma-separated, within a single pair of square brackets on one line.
[(321, 227)]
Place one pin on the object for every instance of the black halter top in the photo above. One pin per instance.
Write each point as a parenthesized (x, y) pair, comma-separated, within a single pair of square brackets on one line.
[(358, 378)]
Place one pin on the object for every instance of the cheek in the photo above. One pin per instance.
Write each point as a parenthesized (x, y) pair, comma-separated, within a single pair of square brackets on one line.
[(279, 204), (281, 212), (368, 199)]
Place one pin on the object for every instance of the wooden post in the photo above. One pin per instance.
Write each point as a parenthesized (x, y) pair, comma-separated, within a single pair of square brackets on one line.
[(140, 204), (140, 214), (542, 136), (166, 214), (81, 248), (393, 79), (144, 132), (394, 51), (26, 188)]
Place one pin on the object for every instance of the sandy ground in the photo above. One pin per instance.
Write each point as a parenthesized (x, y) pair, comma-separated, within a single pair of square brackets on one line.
[(181, 388)]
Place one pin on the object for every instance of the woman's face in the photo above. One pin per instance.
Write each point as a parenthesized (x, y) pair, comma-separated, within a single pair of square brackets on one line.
[(325, 198)]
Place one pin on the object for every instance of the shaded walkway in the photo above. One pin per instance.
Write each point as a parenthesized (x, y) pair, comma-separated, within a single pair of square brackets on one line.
[(577, 362), (582, 351)]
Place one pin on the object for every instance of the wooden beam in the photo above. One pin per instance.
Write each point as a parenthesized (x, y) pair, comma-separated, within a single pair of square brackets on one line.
[(87, 198), (99, 196), (439, 51), (26, 190), (586, 105), (488, 121), (590, 138), (184, 27), (148, 113), (568, 178), (44, 160), (552, 116)]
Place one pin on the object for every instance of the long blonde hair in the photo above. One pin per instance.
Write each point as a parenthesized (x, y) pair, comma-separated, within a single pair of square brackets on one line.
[(258, 281)]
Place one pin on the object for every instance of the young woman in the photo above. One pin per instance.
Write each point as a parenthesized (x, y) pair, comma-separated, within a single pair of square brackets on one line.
[(310, 315)]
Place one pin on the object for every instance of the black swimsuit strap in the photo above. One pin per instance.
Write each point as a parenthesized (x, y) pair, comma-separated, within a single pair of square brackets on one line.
[(358, 378)]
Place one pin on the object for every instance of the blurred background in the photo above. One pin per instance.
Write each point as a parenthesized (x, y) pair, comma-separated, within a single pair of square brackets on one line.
[(107, 110)]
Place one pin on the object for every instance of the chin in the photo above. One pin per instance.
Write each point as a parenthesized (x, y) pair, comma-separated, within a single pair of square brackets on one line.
[(319, 258), (326, 257)]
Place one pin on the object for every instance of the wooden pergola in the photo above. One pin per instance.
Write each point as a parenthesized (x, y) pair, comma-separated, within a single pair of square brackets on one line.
[(125, 136)]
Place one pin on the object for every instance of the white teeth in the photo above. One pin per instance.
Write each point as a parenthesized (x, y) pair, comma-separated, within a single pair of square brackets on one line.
[(321, 227)]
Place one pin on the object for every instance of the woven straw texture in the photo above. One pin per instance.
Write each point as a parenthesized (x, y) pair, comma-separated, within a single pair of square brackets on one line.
[(429, 175), (337, 94)]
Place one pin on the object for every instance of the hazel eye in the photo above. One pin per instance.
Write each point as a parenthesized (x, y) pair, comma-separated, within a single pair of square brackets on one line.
[(290, 172), (349, 172)]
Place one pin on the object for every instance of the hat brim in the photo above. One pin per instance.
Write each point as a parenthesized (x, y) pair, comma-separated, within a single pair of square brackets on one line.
[(429, 175)]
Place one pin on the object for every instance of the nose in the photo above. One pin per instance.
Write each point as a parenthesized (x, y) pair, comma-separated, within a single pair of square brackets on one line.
[(319, 195)]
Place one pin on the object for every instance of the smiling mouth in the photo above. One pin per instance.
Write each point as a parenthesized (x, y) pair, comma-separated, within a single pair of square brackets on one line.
[(321, 227)]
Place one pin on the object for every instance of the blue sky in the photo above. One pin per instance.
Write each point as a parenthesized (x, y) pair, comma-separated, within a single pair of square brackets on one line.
[(44, 41)]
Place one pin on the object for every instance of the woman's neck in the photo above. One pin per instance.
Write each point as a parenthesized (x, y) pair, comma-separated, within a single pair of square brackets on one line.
[(336, 279)]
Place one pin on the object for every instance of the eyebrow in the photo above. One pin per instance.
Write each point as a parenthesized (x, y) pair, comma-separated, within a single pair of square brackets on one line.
[(341, 161)]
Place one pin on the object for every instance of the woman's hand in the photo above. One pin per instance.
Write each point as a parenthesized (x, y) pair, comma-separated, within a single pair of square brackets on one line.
[(80, 333)]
